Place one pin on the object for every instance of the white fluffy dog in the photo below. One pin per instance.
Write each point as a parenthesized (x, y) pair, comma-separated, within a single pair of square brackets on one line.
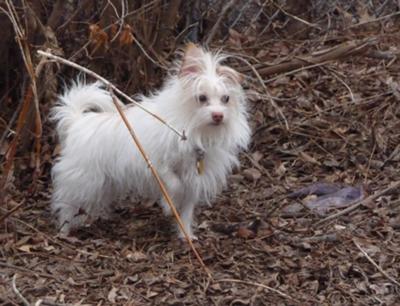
[(99, 162)]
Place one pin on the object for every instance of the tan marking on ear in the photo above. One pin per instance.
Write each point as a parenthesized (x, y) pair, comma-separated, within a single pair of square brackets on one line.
[(191, 63), (230, 73)]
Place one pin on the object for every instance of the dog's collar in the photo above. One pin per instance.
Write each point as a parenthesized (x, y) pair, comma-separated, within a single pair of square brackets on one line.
[(199, 160)]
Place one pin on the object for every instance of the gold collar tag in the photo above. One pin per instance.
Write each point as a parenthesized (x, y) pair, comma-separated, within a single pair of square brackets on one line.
[(200, 166), (199, 160)]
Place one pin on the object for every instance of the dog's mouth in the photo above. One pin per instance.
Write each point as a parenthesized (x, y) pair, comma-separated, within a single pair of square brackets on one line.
[(213, 123)]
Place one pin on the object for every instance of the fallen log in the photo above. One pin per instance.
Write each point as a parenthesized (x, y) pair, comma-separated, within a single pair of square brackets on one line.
[(340, 51)]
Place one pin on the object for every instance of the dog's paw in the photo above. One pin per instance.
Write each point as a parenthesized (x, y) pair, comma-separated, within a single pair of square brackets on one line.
[(192, 237), (166, 209), (65, 229)]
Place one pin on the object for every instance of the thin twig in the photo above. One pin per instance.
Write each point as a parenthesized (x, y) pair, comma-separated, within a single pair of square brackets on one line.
[(232, 280), (58, 242), (255, 17), (166, 24), (376, 265), (120, 19), (147, 55), (10, 212), (16, 291), (25, 270), (296, 17), (12, 148), (357, 204), (110, 85), (160, 183), (280, 75), (268, 95), (241, 11), (218, 22), (8, 130), (335, 74), (26, 56), (140, 10), (375, 20)]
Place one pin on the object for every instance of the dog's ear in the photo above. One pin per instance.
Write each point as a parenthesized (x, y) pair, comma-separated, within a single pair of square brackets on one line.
[(191, 63), (230, 74)]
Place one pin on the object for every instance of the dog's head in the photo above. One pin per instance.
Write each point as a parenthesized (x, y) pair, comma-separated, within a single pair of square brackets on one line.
[(214, 98)]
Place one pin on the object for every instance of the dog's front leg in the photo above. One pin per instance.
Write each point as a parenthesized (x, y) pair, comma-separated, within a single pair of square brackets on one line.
[(183, 200), (175, 190), (186, 213)]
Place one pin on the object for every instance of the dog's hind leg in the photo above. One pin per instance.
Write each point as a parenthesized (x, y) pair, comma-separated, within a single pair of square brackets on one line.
[(78, 196), (69, 216)]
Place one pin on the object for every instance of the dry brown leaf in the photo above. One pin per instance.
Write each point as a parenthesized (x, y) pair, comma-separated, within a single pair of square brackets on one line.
[(244, 232), (97, 37), (113, 30), (281, 169), (136, 256), (308, 158), (25, 248), (235, 38), (112, 295), (126, 36), (252, 174), (257, 156)]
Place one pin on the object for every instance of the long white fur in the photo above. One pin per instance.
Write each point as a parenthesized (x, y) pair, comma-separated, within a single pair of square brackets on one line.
[(99, 162)]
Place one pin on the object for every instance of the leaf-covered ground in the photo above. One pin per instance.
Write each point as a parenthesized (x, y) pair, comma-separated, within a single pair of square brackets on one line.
[(343, 126)]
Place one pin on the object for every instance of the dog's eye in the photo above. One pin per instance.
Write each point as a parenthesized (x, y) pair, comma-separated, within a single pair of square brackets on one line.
[(225, 99), (203, 99)]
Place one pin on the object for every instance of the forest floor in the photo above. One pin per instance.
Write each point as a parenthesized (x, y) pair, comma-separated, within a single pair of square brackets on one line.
[(343, 127)]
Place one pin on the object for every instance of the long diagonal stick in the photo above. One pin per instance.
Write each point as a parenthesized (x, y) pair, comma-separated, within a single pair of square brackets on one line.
[(110, 85), (160, 183)]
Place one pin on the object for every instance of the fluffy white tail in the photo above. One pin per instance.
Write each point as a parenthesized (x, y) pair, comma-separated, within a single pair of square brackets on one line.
[(79, 99)]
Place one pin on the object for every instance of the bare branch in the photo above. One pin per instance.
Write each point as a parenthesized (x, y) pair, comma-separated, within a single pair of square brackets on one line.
[(343, 50), (17, 292), (110, 85), (231, 280), (376, 265), (219, 20)]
